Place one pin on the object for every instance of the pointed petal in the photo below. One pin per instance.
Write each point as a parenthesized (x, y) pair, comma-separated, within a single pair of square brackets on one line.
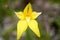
[(28, 9), (21, 27), (33, 25), (20, 15), (35, 15)]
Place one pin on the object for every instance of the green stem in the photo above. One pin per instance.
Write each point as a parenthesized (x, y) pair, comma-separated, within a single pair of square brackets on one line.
[(29, 35)]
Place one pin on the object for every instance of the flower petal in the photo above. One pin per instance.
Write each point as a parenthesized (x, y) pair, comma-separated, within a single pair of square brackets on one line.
[(33, 25), (20, 15), (28, 9), (35, 15), (21, 27)]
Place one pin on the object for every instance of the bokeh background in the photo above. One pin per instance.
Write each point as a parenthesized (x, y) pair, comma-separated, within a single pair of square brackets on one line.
[(49, 20)]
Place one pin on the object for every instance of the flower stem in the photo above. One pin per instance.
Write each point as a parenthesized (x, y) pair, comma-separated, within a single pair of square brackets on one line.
[(29, 35)]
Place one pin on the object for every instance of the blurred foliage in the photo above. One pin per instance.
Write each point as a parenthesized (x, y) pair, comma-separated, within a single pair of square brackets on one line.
[(58, 22), (44, 34), (5, 11), (6, 32), (55, 1)]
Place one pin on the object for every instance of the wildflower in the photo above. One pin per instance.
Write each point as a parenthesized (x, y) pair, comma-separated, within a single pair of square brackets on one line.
[(27, 19)]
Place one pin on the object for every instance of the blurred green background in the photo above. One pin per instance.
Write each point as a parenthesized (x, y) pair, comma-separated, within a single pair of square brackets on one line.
[(49, 20)]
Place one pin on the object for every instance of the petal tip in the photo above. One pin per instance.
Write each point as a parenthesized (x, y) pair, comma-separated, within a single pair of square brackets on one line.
[(40, 13)]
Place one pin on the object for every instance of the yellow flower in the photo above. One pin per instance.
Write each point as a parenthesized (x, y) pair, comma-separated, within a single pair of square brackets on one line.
[(27, 19)]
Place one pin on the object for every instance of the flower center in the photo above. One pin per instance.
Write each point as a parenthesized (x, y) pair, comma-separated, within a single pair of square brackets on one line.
[(27, 19)]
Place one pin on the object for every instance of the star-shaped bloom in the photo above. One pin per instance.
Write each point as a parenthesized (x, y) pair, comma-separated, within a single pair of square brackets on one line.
[(27, 19)]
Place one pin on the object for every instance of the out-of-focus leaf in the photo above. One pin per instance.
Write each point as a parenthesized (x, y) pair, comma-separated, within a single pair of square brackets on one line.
[(55, 1), (9, 12)]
